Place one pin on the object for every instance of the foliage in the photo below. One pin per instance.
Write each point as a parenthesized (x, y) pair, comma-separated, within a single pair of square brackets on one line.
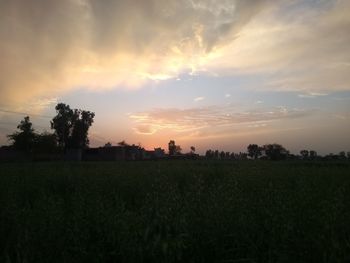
[(23, 140), (72, 126), (254, 151), (62, 123), (81, 124), (175, 211), (45, 143), (193, 149), (304, 154), (178, 149), (313, 154), (173, 148), (275, 151), (123, 143), (108, 145)]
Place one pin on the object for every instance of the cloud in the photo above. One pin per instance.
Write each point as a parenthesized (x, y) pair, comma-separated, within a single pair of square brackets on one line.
[(198, 99), (295, 46), (49, 47), (207, 119), (145, 129), (312, 95), (342, 116)]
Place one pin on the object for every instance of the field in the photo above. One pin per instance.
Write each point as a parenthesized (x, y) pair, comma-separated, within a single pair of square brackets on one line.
[(175, 211)]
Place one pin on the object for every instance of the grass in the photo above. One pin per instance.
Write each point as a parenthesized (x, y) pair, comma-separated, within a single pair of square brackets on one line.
[(175, 211)]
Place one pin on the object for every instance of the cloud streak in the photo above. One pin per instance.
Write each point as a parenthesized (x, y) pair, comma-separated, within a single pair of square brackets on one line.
[(198, 99), (209, 119)]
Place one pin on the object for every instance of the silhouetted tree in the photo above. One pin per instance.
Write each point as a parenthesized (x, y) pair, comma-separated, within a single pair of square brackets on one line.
[(81, 124), (242, 156), (304, 154), (62, 123), (107, 145), (275, 151), (72, 126), (313, 154), (216, 154), (193, 149), (45, 143), (222, 155), (123, 143), (23, 140), (254, 151), (209, 154), (342, 155), (178, 149), (172, 147)]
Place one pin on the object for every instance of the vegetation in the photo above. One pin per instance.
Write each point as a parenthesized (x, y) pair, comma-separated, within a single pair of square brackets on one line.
[(28, 141), (175, 211), (254, 151), (174, 149), (24, 139), (72, 126)]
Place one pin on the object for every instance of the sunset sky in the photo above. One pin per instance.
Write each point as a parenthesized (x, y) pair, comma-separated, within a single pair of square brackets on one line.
[(216, 74)]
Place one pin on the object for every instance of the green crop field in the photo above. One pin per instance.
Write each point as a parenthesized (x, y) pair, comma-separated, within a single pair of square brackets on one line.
[(175, 211)]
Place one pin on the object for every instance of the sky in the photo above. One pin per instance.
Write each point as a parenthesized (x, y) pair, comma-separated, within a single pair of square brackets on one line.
[(214, 74)]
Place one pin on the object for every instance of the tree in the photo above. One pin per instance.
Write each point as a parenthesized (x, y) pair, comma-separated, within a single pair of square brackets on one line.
[(123, 143), (222, 155), (172, 147), (254, 151), (342, 155), (178, 149), (82, 120), (72, 126), (304, 154), (209, 154), (62, 123), (313, 154), (216, 154), (23, 140), (275, 151), (45, 143), (193, 149)]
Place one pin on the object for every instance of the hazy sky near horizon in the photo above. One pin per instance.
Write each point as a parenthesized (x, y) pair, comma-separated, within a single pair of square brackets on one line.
[(216, 74)]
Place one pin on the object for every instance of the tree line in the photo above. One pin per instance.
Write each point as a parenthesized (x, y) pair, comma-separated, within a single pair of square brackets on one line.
[(273, 152), (71, 127)]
